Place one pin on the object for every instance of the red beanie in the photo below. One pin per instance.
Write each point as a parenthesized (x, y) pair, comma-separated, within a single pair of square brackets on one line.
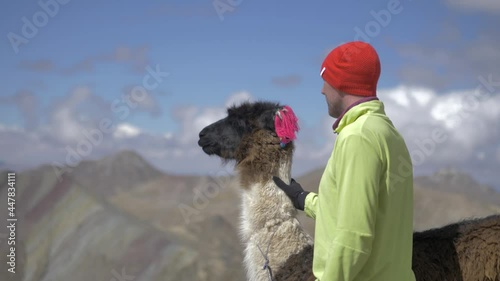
[(353, 68)]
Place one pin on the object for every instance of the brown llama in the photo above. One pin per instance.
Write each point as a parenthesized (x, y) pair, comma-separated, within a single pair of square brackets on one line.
[(276, 246), (463, 251)]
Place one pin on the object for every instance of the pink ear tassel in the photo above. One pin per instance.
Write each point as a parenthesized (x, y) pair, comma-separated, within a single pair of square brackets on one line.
[(285, 123)]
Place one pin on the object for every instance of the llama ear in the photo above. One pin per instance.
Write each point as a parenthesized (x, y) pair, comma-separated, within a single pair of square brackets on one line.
[(266, 120), (286, 124)]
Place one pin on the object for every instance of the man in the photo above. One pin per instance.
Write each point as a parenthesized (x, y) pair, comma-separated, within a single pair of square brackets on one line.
[(364, 206)]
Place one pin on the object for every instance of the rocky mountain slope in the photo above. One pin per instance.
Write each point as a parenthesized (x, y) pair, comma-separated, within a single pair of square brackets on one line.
[(121, 219), (74, 232)]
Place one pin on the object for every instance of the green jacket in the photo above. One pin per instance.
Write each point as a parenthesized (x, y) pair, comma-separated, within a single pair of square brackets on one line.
[(364, 206)]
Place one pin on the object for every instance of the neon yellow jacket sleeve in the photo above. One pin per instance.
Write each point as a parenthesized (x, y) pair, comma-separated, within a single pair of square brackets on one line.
[(358, 168), (310, 205)]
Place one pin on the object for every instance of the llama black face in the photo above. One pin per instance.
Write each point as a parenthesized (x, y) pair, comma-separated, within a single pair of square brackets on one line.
[(223, 137)]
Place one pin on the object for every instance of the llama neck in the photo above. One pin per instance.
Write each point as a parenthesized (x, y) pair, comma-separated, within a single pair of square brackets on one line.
[(263, 162), (268, 221), (264, 205)]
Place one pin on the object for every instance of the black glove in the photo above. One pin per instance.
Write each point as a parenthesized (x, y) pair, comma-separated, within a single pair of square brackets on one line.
[(294, 191)]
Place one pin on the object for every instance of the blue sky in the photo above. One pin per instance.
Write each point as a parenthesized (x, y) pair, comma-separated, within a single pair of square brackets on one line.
[(90, 53)]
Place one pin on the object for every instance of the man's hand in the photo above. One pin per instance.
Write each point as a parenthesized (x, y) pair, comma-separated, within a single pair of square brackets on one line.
[(294, 191)]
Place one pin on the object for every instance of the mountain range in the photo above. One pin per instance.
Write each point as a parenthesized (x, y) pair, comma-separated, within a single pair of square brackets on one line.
[(119, 218)]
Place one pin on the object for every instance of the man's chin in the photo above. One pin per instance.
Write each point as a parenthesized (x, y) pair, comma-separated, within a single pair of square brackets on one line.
[(333, 114)]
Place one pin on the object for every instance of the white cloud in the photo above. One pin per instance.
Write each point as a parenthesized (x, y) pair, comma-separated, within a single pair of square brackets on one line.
[(27, 104), (142, 100), (74, 113), (423, 96), (408, 96), (238, 98), (193, 119), (66, 127), (441, 129), (470, 130), (466, 121), (400, 97), (205, 117), (125, 130), (445, 110)]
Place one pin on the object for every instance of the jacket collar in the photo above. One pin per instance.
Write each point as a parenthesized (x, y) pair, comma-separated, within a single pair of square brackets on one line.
[(352, 112)]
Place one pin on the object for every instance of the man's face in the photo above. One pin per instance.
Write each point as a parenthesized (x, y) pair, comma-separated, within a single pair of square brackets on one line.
[(333, 99)]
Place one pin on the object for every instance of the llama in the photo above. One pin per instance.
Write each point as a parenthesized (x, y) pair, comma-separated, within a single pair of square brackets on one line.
[(463, 251), (276, 242), (277, 247)]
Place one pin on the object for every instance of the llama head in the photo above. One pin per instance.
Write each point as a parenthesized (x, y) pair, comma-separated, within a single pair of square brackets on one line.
[(258, 132)]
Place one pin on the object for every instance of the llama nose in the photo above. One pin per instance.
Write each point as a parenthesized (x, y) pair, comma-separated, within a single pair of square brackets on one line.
[(202, 141), (203, 133)]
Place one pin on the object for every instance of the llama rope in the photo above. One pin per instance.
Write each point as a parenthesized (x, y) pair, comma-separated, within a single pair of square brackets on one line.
[(266, 257)]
